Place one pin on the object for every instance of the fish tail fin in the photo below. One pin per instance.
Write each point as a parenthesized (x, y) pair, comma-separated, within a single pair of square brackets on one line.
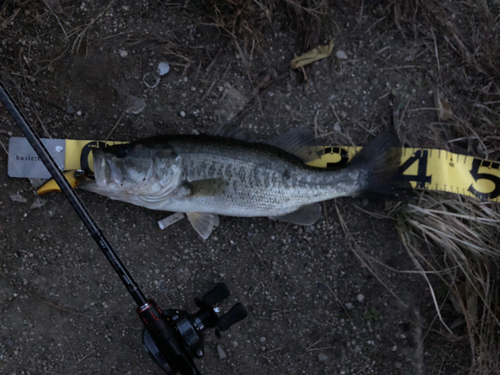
[(380, 160)]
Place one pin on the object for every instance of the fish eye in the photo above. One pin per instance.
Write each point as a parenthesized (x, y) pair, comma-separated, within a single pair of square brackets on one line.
[(121, 152)]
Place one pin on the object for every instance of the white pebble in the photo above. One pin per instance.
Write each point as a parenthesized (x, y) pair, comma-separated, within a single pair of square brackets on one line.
[(222, 355), (341, 55), (163, 68), (360, 297), (182, 114), (122, 53), (322, 357)]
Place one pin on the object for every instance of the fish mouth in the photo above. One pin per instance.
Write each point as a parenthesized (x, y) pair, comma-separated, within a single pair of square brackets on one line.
[(105, 170), (100, 167)]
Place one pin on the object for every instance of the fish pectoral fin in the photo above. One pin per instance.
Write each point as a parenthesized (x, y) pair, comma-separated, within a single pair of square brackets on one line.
[(203, 222), (299, 142), (305, 215), (208, 187)]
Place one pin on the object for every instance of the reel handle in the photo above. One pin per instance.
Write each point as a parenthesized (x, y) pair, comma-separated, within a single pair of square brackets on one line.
[(217, 294), (233, 316)]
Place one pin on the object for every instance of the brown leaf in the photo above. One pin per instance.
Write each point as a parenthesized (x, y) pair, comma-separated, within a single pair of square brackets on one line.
[(443, 106)]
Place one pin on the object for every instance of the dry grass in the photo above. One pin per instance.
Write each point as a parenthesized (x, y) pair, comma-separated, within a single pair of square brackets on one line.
[(251, 19), (457, 239), (464, 38), (453, 237)]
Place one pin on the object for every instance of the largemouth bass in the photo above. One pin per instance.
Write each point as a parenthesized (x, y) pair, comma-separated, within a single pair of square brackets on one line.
[(209, 175)]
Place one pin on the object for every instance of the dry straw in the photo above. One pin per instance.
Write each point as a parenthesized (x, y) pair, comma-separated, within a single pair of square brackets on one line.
[(457, 239)]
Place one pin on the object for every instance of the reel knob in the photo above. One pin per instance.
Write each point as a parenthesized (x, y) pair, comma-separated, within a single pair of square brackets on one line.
[(233, 316), (217, 294)]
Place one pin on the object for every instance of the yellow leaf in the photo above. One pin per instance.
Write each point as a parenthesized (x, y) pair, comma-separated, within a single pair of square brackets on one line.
[(313, 55)]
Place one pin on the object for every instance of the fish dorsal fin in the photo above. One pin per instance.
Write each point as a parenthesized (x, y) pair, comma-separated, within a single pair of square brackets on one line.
[(305, 215), (203, 222), (229, 130), (299, 142)]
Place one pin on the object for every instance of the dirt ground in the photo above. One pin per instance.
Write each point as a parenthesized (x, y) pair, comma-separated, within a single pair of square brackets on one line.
[(313, 308)]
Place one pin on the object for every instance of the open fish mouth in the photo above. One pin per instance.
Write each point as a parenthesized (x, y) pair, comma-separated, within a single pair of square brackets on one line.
[(105, 170)]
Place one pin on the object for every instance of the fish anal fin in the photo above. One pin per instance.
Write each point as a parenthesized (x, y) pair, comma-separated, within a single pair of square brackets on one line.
[(299, 142), (305, 215), (203, 222)]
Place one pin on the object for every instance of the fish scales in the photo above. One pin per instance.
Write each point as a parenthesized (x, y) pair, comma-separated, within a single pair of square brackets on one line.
[(259, 181)]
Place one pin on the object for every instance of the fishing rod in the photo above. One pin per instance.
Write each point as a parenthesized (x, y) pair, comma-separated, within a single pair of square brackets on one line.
[(172, 338)]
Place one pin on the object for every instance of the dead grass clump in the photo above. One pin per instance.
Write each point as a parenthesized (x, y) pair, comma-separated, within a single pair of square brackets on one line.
[(252, 19), (457, 239), (464, 37)]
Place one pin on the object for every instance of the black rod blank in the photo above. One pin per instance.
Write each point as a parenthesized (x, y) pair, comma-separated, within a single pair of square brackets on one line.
[(73, 198)]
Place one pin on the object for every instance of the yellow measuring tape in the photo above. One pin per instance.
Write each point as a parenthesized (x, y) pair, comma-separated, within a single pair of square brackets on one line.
[(424, 168)]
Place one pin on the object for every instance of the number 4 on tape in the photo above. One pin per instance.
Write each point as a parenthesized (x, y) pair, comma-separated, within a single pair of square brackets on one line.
[(420, 178)]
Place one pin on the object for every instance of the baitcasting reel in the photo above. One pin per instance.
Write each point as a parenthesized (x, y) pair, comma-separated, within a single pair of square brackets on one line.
[(172, 338)]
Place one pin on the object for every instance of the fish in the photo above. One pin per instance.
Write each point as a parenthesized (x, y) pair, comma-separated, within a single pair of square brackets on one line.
[(229, 174)]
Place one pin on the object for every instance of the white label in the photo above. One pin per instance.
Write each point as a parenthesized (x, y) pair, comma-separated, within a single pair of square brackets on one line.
[(25, 163)]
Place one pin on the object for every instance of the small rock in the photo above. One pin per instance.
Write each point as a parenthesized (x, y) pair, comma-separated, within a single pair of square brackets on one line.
[(341, 55), (122, 53), (182, 114), (222, 355), (337, 127), (8, 342), (310, 229), (70, 110), (163, 68), (360, 297), (37, 203), (349, 306), (322, 357), (136, 105), (262, 339), (18, 198)]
